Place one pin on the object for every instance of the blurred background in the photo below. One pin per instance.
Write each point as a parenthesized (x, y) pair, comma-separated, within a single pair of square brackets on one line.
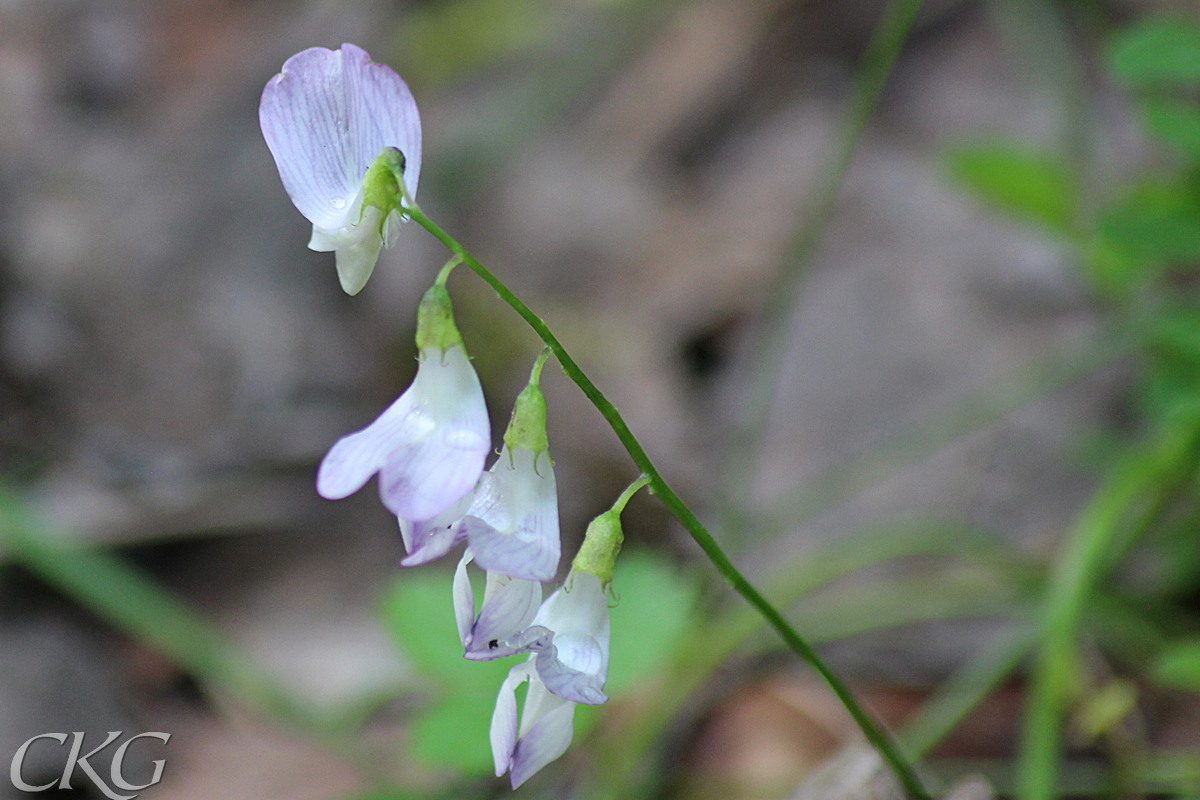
[(914, 358)]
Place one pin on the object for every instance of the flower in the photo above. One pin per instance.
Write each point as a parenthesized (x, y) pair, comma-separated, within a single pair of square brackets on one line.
[(512, 523), (572, 656), (569, 638), (430, 444), (568, 642), (546, 727), (327, 118), (509, 606)]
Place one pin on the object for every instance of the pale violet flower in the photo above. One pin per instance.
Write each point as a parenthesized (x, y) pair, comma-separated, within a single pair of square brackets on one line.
[(327, 117), (509, 606), (572, 653), (429, 446), (430, 539), (547, 724), (512, 523), (569, 637)]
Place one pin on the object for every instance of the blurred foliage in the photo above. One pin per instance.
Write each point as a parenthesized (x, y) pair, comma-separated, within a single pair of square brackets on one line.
[(1157, 52), (1138, 249), (1030, 186), (445, 41), (1178, 665)]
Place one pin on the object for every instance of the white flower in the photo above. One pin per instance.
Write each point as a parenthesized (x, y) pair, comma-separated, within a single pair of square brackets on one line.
[(545, 731), (327, 117), (509, 606), (428, 447), (573, 659), (569, 638), (512, 524)]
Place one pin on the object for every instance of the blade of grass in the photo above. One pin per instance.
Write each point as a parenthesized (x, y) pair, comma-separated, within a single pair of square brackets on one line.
[(964, 691), (109, 587), (846, 478), (1137, 491)]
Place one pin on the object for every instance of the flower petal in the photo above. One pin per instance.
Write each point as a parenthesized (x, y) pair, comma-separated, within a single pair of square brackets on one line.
[(513, 523), (354, 458), (509, 605), (446, 438), (497, 551), (547, 739), (578, 606), (464, 598), (574, 663), (357, 255), (421, 479), (429, 445), (504, 719), (571, 668), (431, 539), (325, 117)]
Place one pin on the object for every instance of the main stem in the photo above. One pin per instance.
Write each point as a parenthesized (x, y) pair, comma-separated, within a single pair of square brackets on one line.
[(873, 732)]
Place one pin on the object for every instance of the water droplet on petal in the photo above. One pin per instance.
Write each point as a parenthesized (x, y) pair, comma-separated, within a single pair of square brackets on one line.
[(339, 203)]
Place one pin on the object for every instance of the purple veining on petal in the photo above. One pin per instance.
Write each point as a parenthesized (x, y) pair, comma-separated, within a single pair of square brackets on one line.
[(513, 523), (325, 117), (568, 681), (509, 605), (354, 458), (533, 638), (431, 539), (574, 664), (545, 740), (501, 552), (429, 446)]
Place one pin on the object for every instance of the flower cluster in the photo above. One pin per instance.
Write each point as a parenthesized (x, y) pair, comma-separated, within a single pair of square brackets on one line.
[(346, 137)]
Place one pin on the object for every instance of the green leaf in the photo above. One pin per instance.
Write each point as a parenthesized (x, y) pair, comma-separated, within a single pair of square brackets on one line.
[(1031, 186), (1110, 267), (1159, 51), (1176, 122), (1158, 223), (1177, 334), (1178, 666)]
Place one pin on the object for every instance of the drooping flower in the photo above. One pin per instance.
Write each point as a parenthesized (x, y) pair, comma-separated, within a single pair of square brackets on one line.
[(568, 641), (328, 117), (547, 723), (568, 665), (430, 444), (512, 523), (509, 606)]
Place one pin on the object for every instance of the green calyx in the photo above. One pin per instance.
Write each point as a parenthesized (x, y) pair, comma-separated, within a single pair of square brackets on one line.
[(602, 542), (381, 184), (527, 428), (435, 320)]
